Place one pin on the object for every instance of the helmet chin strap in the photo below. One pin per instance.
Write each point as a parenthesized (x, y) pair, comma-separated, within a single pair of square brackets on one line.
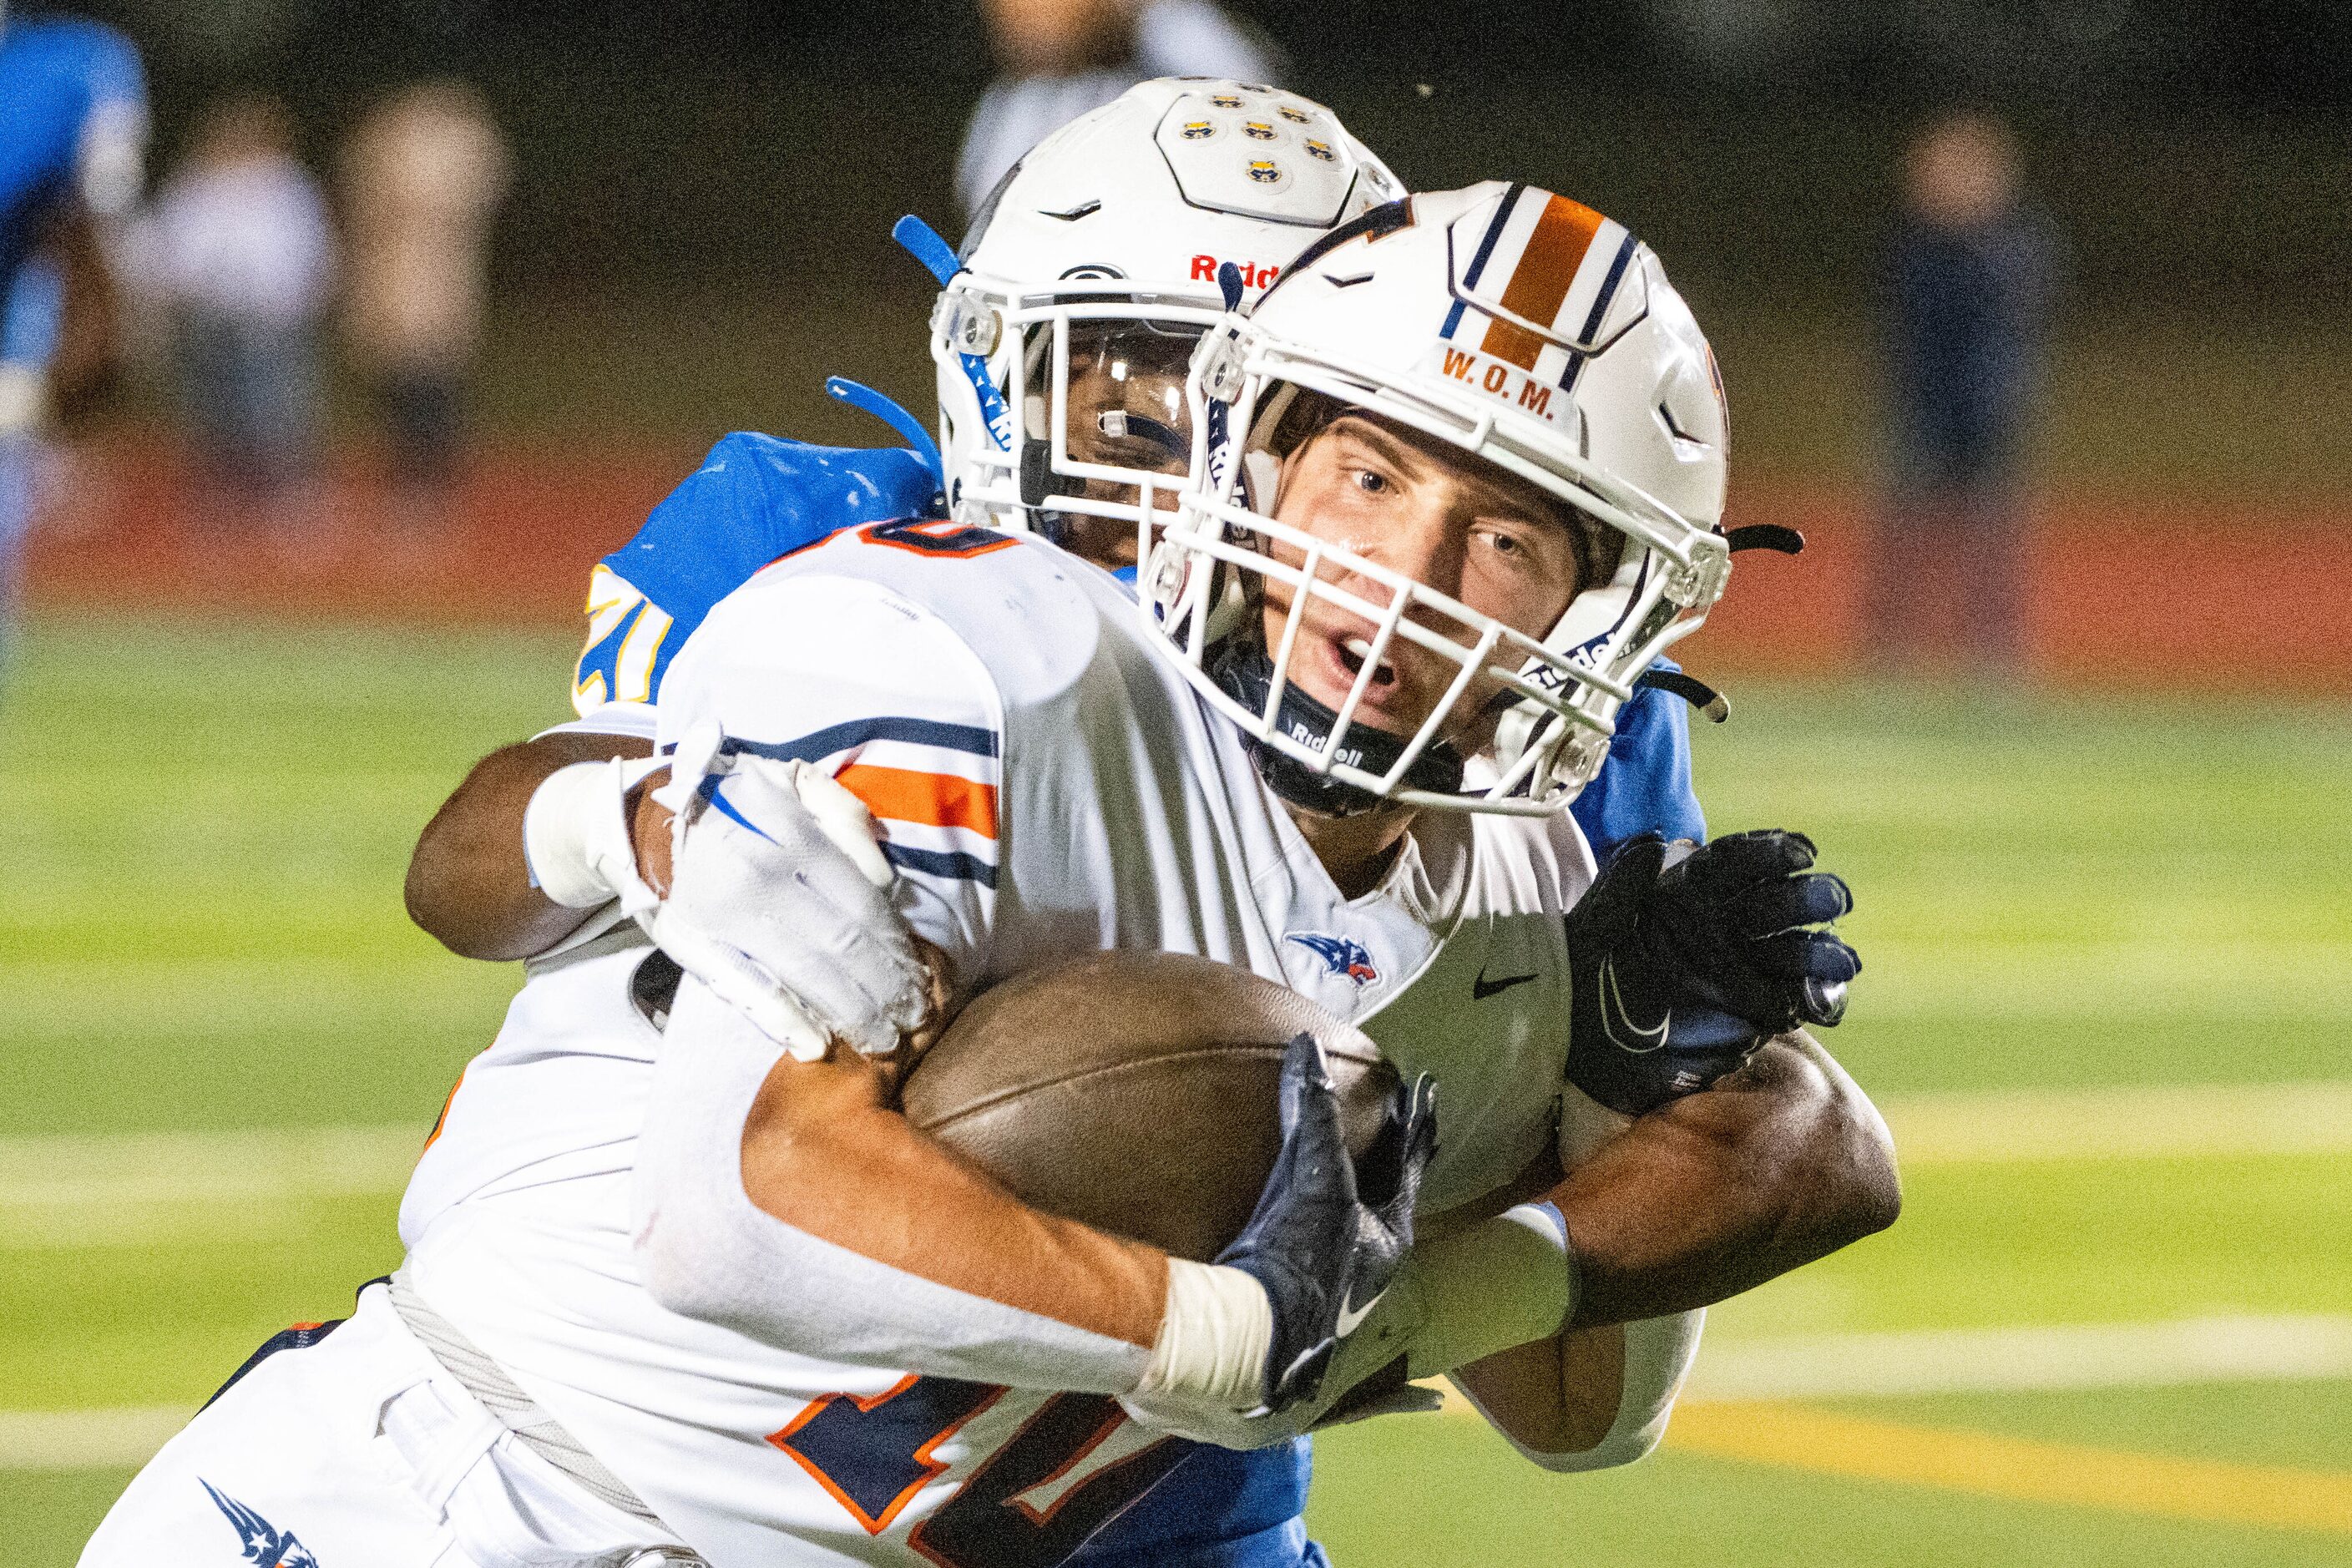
[(1245, 672)]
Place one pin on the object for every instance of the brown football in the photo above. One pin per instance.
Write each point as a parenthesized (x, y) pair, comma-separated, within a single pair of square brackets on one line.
[(1135, 1091)]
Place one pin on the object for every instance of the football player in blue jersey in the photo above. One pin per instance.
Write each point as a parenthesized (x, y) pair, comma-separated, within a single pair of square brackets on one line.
[(73, 126), (1062, 337), (1076, 299)]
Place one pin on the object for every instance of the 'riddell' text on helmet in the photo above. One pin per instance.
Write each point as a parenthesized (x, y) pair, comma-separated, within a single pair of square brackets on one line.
[(1541, 343), (1090, 273)]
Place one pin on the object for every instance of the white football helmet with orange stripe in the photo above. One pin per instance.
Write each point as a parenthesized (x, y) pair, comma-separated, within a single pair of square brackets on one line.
[(1537, 336), (1094, 264)]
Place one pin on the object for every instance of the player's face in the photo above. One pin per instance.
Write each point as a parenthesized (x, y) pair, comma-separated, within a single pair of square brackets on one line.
[(1432, 512), (1126, 410)]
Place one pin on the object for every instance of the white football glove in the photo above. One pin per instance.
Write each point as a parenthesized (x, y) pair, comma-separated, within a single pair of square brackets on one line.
[(780, 902)]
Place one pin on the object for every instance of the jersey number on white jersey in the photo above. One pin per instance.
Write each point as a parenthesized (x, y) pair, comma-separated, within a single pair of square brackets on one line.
[(1070, 1468)]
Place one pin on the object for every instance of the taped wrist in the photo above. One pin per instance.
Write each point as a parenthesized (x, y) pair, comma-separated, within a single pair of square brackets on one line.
[(1215, 1335), (575, 833), (1502, 1282)]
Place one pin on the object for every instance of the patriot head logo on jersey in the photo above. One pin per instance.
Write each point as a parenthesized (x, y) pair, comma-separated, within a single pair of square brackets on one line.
[(265, 1544), (1342, 955)]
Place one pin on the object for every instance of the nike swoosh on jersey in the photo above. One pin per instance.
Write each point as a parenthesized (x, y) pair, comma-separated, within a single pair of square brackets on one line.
[(1632, 1036), (1351, 1317), (1482, 987)]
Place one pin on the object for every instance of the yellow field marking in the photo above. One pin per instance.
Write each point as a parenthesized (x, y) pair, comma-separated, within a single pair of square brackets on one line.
[(2127, 1121), (1985, 1464)]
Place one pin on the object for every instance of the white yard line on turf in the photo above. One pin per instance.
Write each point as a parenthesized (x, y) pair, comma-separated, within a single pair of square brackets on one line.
[(2134, 1122), (1942, 1360), (118, 1438), (131, 1189), (2022, 1359), (120, 1189)]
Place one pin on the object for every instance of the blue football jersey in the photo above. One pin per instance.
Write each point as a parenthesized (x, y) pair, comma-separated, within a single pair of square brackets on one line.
[(754, 499), (62, 81)]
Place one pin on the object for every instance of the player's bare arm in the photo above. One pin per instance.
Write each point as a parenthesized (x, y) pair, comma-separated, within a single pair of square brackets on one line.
[(913, 1229), (822, 1139), (470, 881), (1710, 1145), (1779, 1163)]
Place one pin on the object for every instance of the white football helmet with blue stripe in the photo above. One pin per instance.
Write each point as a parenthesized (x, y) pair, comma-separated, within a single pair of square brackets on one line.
[(1540, 338), (1094, 266)]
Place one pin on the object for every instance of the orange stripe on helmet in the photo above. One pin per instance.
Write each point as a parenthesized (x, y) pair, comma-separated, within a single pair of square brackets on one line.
[(937, 800), (1540, 282)]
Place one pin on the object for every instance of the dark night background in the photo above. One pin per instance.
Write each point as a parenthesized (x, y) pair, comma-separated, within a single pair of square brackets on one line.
[(706, 186)]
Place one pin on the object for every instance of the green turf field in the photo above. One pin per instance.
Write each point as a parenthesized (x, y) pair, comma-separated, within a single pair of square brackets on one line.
[(2067, 899)]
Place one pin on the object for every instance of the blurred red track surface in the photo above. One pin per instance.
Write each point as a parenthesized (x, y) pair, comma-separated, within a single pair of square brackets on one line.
[(2154, 595)]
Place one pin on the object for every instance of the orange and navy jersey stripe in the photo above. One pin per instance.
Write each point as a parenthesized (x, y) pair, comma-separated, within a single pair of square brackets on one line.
[(932, 800), (1548, 279), (931, 785)]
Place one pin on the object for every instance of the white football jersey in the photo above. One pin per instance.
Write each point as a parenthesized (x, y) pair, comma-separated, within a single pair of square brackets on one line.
[(1048, 788)]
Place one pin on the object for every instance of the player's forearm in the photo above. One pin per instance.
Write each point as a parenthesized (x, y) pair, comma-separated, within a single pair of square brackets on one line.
[(1781, 1163), (1773, 1166), (469, 883), (824, 1155), (785, 1201)]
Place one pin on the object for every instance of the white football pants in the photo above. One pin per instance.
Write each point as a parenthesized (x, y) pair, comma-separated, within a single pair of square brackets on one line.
[(360, 1451)]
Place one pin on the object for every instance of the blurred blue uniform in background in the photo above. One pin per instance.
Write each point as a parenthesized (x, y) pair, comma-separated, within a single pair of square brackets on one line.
[(757, 498), (73, 115)]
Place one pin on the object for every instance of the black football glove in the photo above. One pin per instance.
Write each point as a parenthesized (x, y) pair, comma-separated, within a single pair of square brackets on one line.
[(1328, 1233), (1684, 961)]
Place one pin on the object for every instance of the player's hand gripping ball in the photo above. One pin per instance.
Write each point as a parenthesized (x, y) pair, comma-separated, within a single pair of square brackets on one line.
[(1331, 1228), (1685, 960)]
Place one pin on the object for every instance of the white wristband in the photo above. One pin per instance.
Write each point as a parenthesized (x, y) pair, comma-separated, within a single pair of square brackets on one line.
[(1506, 1281), (1214, 1337), (575, 835)]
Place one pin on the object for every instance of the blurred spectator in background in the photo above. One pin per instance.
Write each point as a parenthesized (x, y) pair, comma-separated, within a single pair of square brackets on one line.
[(1062, 57), (1969, 283), (241, 255), (73, 131), (424, 176)]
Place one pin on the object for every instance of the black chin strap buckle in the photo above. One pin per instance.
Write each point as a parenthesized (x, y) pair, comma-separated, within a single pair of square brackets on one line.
[(1765, 536), (1695, 692)]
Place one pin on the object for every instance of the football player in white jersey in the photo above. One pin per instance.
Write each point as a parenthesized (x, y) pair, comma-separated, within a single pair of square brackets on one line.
[(697, 1283), (1086, 281)]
